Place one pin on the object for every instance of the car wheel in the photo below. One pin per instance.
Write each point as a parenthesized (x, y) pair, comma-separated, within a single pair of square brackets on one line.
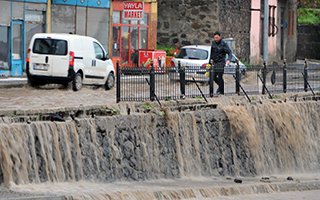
[(110, 82), (34, 82), (77, 82)]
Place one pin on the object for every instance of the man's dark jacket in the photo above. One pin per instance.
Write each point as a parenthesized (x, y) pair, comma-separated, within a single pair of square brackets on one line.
[(219, 51)]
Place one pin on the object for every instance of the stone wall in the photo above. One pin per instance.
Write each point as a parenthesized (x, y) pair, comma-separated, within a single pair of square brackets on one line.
[(308, 42), (195, 21), (267, 138)]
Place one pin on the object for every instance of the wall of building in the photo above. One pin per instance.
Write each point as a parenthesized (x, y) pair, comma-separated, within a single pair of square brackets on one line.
[(31, 14), (308, 42), (195, 21), (88, 21), (255, 32)]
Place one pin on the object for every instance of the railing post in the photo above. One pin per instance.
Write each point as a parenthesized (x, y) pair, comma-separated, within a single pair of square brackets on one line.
[(264, 77), (238, 78), (152, 82), (305, 75), (182, 79), (211, 78), (118, 81), (285, 76)]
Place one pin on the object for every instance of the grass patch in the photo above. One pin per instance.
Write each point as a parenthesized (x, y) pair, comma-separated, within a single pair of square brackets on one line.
[(167, 48), (309, 16), (147, 106)]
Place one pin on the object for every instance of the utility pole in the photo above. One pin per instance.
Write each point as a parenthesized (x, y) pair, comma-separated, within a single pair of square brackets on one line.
[(48, 17), (265, 31)]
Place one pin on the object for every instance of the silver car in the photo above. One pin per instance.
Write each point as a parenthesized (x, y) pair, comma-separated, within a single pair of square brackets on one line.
[(195, 58)]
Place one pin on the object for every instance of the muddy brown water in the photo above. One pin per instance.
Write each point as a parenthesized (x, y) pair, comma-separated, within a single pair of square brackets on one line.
[(235, 139)]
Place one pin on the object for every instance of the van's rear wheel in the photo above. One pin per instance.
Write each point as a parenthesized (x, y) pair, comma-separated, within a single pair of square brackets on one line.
[(110, 81), (34, 82), (77, 82)]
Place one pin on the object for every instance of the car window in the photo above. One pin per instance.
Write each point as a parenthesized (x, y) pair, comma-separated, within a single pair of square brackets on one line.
[(50, 46), (233, 58), (193, 53), (60, 47), (98, 51)]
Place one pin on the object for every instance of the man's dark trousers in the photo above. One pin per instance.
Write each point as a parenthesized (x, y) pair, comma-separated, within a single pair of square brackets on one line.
[(218, 77)]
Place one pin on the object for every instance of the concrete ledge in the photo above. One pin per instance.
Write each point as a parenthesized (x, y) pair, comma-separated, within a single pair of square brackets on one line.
[(172, 190), (13, 82)]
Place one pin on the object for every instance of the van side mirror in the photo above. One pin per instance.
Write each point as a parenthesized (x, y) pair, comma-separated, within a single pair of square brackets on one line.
[(105, 57)]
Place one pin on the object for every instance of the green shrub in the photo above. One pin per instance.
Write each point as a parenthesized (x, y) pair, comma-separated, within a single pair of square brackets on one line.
[(169, 49), (308, 16)]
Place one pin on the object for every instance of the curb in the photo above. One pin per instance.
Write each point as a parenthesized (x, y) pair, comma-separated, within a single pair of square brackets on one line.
[(206, 193), (189, 193), (10, 83)]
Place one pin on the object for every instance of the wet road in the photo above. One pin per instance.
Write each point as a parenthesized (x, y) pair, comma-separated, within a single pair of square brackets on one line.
[(53, 96), (307, 195)]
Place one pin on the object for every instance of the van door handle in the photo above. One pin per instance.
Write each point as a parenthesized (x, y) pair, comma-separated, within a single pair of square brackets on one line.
[(47, 59), (93, 63)]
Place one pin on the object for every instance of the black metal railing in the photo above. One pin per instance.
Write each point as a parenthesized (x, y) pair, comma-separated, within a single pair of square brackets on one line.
[(141, 84)]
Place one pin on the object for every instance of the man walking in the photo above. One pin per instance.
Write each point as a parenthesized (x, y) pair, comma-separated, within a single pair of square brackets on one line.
[(219, 50)]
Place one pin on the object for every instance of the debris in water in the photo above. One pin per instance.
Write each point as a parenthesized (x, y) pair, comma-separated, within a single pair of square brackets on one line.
[(289, 178), (237, 180), (56, 117), (265, 179)]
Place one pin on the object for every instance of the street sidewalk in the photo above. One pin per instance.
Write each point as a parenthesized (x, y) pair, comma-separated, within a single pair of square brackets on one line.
[(7, 82)]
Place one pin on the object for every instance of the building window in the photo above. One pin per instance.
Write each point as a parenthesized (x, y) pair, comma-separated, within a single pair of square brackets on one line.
[(272, 28), (4, 50), (128, 36), (35, 23)]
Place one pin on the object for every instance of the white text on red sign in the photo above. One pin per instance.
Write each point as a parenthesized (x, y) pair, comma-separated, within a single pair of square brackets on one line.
[(133, 14), (133, 5)]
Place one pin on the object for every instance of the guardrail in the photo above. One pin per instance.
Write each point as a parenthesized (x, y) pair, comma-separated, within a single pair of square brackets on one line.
[(141, 84)]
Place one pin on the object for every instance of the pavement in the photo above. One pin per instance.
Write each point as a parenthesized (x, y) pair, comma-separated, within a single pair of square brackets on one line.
[(8, 82)]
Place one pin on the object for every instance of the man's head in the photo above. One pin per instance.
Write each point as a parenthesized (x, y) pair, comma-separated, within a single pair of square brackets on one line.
[(217, 36)]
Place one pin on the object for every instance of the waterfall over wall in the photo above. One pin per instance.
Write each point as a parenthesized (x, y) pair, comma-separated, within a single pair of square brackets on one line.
[(234, 140)]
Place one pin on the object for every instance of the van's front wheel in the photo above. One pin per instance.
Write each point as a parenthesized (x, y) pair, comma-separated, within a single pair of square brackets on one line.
[(110, 81), (77, 82)]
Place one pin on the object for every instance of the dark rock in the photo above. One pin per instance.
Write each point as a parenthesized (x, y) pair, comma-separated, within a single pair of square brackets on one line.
[(237, 180), (289, 178), (265, 179), (56, 117)]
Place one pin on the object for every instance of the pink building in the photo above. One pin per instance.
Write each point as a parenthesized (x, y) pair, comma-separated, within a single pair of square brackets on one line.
[(282, 30)]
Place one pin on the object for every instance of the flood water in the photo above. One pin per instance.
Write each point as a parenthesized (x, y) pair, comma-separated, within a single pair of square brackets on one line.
[(237, 140)]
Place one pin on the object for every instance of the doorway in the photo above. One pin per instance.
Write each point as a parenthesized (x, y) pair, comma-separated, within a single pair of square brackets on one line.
[(129, 36), (17, 46)]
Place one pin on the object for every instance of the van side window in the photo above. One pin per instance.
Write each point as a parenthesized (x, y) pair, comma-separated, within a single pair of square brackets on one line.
[(98, 51)]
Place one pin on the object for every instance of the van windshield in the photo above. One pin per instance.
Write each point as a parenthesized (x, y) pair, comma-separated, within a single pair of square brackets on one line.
[(50, 46), (193, 53)]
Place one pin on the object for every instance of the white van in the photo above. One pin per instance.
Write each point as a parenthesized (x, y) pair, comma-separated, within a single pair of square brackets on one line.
[(65, 58)]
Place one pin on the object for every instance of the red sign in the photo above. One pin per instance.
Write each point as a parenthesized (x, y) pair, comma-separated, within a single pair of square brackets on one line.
[(132, 10)]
